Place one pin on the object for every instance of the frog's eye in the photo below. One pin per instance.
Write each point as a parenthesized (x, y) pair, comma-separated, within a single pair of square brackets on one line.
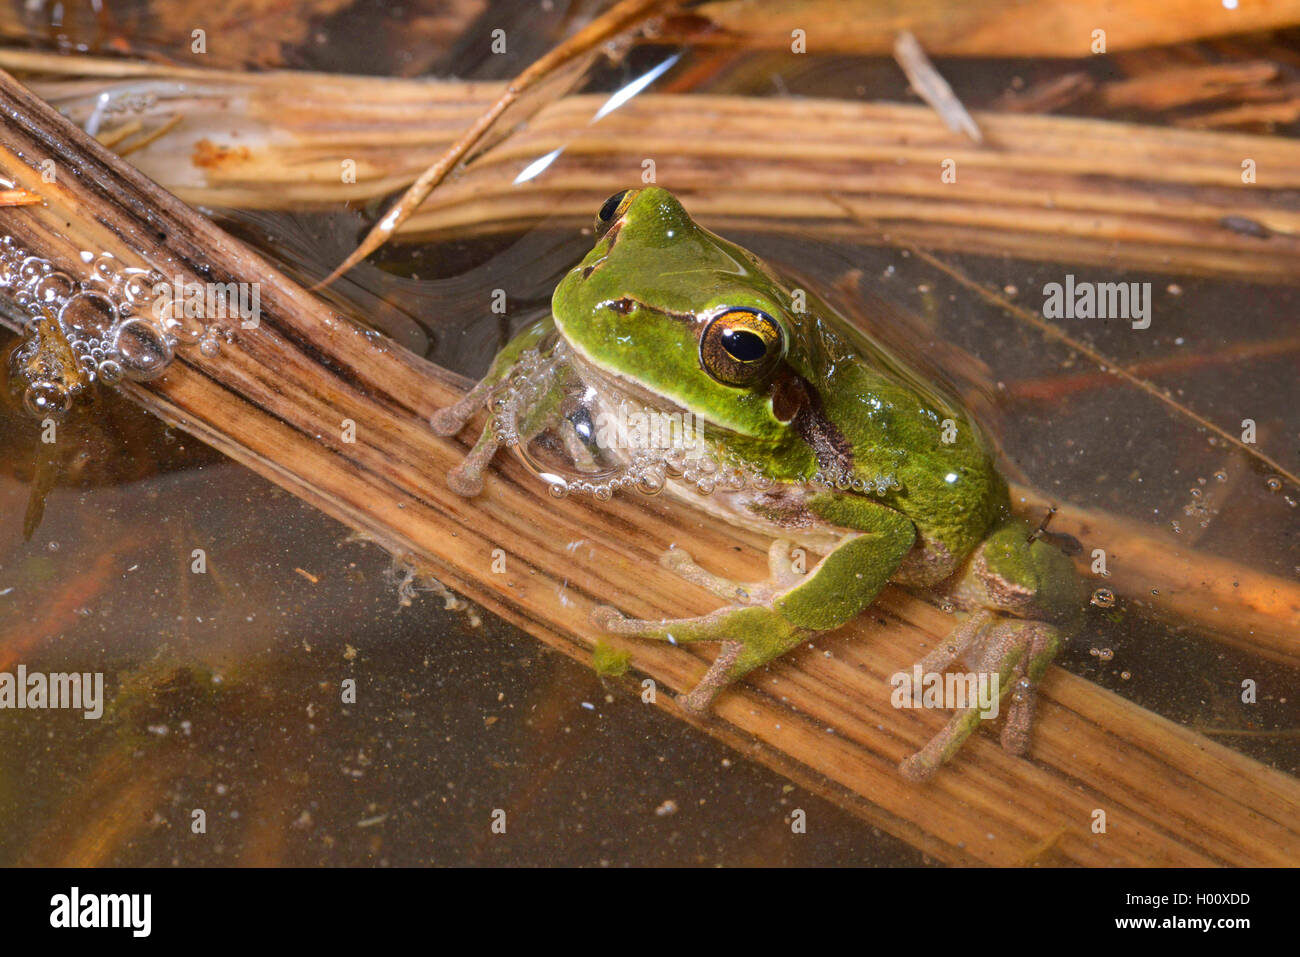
[(612, 209), (741, 346)]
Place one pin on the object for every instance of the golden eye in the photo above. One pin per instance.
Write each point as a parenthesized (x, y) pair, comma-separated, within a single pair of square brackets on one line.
[(741, 346), (612, 209)]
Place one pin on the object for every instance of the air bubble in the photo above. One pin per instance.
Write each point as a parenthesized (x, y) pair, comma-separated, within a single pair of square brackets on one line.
[(184, 329), (1103, 598), (650, 484), (110, 371), (104, 269), (97, 315), (54, 287), (32, 269), (88, 315), (134, 289), (43, 398)]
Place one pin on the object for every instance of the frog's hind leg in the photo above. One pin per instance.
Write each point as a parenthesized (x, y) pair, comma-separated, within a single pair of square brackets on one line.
[(466, 478), (1041, 642), (1018, 652)]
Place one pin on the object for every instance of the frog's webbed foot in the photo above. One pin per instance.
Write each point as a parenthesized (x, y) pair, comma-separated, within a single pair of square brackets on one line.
[(1041, 642), (781, 572), (467, 477), (1018, 651)]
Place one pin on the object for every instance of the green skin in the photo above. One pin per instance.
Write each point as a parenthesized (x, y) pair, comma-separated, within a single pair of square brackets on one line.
[(634, 310)]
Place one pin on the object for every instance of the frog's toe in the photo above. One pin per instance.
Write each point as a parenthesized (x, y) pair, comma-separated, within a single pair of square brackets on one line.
[(450, 419), (676, 559), (918, 767), (780, 567), (467, 478), (681, 564), (1020, 717), (1038, 643), (612, 620), (608, 617), (699, 699), (465, 481), (922, 765)]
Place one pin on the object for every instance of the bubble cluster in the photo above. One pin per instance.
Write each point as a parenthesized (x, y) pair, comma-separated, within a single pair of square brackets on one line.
[(848, 481), (106, 318)]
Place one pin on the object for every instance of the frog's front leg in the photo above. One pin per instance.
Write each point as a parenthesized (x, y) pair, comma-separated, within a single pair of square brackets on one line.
[(843, 583), (781, 574), (467, 477)]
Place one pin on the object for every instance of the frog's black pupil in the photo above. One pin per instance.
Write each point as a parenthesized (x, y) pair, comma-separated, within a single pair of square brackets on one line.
[(611, 206), (743, 345)]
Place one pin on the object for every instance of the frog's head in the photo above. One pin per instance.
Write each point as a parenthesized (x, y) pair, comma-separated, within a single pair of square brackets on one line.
[(682, 314)]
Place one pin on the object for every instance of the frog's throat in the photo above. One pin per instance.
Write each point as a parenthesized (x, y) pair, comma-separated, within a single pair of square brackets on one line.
[(612, 405), (610, 384)]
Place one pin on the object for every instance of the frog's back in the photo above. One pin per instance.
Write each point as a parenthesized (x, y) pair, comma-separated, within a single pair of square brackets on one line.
[(907, 437)]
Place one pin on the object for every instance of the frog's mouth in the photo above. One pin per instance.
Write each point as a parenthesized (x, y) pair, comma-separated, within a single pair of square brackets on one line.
[(582, 429)]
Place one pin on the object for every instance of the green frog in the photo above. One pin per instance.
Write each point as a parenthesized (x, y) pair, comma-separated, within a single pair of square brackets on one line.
[(674, 360)]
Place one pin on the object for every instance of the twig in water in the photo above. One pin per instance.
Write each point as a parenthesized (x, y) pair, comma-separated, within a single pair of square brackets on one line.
[(615, 20), (932, 87)]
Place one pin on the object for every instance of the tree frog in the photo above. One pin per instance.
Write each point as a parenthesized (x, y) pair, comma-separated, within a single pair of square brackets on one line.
[(674, 360)]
